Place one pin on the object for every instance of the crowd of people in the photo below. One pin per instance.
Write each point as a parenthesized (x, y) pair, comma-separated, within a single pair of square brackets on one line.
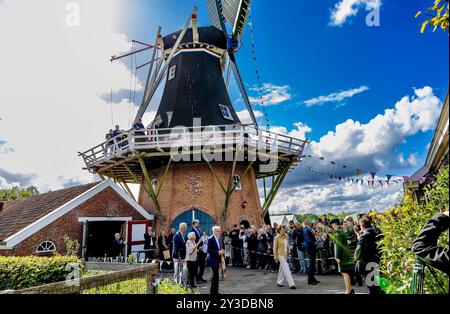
[(320, 248)]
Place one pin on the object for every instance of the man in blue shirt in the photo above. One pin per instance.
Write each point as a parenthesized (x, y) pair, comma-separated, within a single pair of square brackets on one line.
[(215, 251), (310, 248), (138, 126)]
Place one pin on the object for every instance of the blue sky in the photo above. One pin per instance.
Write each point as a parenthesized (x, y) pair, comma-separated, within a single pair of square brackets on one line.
[(297, 46), (366, 96)]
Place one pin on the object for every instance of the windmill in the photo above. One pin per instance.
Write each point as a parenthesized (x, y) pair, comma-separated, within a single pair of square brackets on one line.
[(195, 119)]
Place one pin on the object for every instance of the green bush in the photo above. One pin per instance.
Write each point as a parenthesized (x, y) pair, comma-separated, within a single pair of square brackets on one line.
[(133, 286), (167, 286), (401, 225), (25, 272)]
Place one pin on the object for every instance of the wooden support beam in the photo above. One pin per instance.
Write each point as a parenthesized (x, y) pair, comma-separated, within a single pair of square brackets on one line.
[(274, 189), (150, 187), (127, 188), (215, 175), (230, 188), (160, 185)]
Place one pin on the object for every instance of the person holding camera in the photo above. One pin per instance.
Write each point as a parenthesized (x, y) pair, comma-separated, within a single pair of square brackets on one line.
[(426, 245)]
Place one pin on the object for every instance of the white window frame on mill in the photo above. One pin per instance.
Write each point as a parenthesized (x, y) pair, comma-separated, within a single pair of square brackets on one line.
[(46, 247), (172, 72), (226, 113), (237, 182)]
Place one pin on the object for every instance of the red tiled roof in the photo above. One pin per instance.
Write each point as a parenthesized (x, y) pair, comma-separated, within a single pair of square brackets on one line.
[(19, 214)]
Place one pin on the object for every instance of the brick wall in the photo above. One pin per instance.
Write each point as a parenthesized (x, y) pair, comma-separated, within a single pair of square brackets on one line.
[(188, 186), (107, 202)]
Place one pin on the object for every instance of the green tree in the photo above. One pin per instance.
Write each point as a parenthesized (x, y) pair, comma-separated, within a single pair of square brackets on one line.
[(16, 192), (437, 15), (401, 225)]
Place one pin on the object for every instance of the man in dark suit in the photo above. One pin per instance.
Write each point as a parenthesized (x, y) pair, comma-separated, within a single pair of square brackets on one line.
[(200, 254), (310, 247), (179, 253), (367, 251), (215, 251), (426, 244), (149, 244)]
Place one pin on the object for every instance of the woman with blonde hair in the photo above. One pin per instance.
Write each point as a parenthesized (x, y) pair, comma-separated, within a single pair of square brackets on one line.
[(280, 251), (191, 258)]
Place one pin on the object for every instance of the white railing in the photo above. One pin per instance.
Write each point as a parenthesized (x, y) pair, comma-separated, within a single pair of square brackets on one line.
[(163, 140)]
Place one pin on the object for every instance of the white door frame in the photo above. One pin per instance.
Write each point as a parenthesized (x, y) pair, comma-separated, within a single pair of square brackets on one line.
[(106, 219)]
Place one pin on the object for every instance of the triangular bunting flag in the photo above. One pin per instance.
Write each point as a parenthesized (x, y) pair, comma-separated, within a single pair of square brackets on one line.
[(373, 175), (388, 177)]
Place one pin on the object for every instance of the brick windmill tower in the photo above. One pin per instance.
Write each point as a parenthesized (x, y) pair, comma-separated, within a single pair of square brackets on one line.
[(197, 160)]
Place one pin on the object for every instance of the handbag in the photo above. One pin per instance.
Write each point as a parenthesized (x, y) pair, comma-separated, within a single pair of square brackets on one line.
[(166, 254)]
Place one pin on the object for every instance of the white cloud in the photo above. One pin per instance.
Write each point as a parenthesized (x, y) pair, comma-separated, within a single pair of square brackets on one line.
[(371, 146), (335, 97), (299, 132), (383, 134), (336, 198), (245, 118), (348, 8), (51, 78), (271, 94)]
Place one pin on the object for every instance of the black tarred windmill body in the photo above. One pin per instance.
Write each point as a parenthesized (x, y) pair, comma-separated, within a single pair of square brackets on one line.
[(195, 64), (195, 86)]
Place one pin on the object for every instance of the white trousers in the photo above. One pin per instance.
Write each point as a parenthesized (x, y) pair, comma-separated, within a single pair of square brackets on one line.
[(284, 272), (180, 273)]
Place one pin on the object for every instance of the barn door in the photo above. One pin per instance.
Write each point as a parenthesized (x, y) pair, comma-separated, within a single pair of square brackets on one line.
[(136, 231)]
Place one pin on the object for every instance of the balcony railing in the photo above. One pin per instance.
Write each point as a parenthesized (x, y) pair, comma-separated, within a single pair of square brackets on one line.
[(163, 140)]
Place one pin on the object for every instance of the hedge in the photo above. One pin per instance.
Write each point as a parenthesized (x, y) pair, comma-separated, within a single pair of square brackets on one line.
[(25, 272), (401, 225)]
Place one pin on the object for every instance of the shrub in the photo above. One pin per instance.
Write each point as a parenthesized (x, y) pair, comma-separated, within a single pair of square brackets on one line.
[(167, 286), (72, 246), (401, 225), (25, 272)]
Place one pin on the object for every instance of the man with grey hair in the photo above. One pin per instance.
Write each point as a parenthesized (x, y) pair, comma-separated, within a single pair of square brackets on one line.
[(179, 254), (216, 252)]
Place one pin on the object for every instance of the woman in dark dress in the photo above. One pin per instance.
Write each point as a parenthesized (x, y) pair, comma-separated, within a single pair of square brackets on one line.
[(163, 245)]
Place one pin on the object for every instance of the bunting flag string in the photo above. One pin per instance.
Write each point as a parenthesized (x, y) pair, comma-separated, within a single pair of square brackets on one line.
[(373, 174), (370, 183), (257, 72), (356, 181)]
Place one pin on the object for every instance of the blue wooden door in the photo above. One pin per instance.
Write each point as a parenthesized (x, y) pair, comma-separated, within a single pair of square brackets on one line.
[(206, 221)]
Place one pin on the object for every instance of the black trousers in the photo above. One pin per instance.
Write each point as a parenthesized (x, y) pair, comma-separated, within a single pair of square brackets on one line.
[(312, 264), (253, 259), (201, 258), (192, 271), (150, 254), (215, 280), (237, 257)]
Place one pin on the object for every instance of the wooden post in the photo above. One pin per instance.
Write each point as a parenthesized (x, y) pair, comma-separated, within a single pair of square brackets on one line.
[(150, 187)]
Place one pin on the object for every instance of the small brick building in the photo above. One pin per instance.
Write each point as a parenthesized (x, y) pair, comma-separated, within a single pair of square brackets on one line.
[(91, 213)]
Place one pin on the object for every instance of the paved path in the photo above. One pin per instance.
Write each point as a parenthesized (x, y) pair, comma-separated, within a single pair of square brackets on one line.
[(246, 281)]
